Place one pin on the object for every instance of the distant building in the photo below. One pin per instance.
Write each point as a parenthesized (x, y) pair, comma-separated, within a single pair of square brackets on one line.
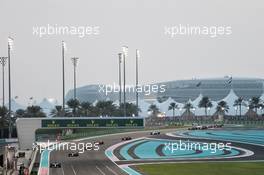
[(183, 90)]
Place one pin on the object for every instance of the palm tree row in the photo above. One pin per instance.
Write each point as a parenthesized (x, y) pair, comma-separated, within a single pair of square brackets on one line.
[(101, 108), (222, 106), (107, 108), (30, 112), (75, 109)]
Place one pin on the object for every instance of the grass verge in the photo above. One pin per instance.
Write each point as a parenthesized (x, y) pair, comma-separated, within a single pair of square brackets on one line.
[(219, 168)]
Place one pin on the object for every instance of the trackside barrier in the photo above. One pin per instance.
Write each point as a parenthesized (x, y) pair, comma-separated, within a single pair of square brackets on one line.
[(33, 159)]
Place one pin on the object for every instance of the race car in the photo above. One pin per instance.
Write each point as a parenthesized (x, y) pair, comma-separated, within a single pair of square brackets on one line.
[(55, 165), (126, 138), (192, 128), (204, 127), (100, 142), (198, 127), (219, 125), (155, 133), (75, 154), (88, 148)]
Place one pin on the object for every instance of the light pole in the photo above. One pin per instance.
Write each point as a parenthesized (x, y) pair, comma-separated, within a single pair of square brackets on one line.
[(125, 50), (74, 62), (63, 76), (137, 57), (9, 48), (120, 55), (3, 63)]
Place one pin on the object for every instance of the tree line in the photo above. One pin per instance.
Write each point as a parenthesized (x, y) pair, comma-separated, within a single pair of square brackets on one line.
[(222, 107), (75, 108)]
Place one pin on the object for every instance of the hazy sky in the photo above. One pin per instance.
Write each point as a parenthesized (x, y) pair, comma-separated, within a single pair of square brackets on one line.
[(139, 24)]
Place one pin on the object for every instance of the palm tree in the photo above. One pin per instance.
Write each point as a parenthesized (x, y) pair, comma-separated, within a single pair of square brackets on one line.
[(58, 112), (3, 119), (188, 107), (131, 109), (86, 108), (239, 103), (34, 111), (222, 107), (154, 110), (20, 113), (254, 103), (105, 108), (3, 111), (73, 104), (172, 107), (205, 103)]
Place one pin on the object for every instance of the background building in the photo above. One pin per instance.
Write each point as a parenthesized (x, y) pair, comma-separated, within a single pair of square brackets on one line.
[(183, 90)]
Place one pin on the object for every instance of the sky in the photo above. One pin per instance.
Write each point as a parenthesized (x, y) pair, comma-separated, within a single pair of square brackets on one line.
[(138, 24)]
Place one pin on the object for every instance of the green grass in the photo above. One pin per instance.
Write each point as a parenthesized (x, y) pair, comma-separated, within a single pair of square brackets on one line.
[(221, 168)]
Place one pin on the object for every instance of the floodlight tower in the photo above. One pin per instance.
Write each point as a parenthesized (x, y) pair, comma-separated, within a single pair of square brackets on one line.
[(3, 63), (125, 52)]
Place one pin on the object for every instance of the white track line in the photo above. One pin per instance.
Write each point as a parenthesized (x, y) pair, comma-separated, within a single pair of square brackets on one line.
[(129, 132), (114, 158), (100, 170), (111, 170), (113, 147), (73, 170), (62, 170)]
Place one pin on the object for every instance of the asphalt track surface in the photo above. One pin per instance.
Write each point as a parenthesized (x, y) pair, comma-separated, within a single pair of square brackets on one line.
[(91, 162), (97, 163)]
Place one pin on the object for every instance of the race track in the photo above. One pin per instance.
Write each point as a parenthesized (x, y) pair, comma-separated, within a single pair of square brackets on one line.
[(119, 157)]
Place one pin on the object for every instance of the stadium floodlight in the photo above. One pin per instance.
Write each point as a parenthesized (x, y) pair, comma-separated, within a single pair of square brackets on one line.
[(74, 61), (63, 75), (10, 42), (137, 53), (120, 57), (125, 52), (64, 45), (3, 61), (137, 57)]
